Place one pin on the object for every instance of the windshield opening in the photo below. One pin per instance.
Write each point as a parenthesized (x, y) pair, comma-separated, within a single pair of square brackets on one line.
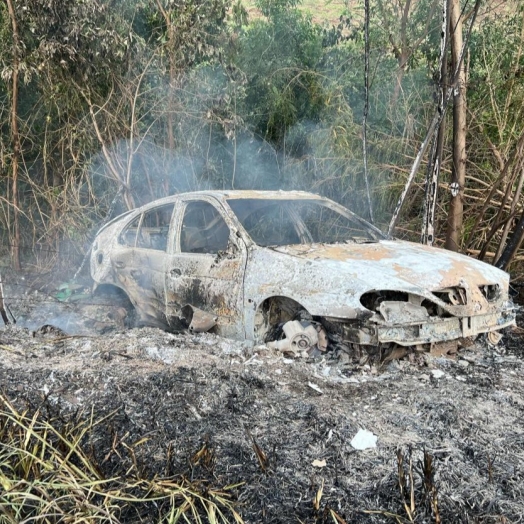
[(286, 222)]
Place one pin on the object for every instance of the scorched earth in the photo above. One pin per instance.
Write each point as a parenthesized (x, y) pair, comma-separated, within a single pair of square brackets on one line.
[(277, 429)]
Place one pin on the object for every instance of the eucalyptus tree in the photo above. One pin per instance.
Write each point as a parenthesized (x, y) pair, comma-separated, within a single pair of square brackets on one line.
[(50, 48)]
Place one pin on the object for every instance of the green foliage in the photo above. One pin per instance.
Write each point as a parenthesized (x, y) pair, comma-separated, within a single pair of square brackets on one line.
[(189, 31), (407, 31), (273, 9), (71, 292), (279, 57), (497, 75)]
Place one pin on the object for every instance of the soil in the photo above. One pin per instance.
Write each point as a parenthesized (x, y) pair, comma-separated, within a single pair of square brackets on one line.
[(280, 428)]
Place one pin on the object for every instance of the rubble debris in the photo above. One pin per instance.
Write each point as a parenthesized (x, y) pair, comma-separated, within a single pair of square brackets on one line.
[(437, 373), (323, 339), (364, 439), (494, 337), (319, 463), (315, 387), (119, 316), (447, 348), (50, 329)]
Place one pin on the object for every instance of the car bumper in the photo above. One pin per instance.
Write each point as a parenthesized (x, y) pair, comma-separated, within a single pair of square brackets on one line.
[(444, 329)]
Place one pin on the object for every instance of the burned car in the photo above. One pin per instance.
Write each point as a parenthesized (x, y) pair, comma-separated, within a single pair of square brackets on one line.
[(295, 268)]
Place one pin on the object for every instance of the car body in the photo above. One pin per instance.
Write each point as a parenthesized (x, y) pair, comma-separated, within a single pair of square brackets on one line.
[(253, 260)]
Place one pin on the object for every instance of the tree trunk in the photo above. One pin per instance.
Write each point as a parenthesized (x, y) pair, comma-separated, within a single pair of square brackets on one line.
[(456, 209), (171, 50), (15, 141)]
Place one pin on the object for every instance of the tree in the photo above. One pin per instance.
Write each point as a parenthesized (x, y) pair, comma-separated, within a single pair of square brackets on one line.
[(496, 97), (407, 25), (456, 208), (279, 55)]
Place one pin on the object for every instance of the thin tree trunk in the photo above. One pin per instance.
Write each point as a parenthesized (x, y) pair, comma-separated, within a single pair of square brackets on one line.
[(405, 52), (15, 140), (366, 108), (456, 207), (171, 49)]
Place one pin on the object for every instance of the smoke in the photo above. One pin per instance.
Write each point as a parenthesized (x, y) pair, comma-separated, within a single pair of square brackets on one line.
[(189, 135)]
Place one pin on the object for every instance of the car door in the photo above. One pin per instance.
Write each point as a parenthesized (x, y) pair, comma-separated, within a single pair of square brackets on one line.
[(206, 267), (140, 259)]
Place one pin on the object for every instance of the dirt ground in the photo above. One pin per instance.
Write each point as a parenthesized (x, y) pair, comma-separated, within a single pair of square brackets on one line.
[(183, 390)]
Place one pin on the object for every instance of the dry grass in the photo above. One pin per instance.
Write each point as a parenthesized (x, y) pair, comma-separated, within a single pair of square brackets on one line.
[(322, 11), (47, 476)]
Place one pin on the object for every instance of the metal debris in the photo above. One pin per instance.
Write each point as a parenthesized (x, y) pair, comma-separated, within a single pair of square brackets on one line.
[(300, 338), (198, 321)]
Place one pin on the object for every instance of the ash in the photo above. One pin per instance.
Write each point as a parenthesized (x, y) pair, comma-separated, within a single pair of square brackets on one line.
[(282, 428)]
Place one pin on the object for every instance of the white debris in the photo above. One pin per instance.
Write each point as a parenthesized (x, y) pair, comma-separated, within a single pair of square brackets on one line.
[(165, 355), (194, 411), (314, 386), (437, 373), (318, 463), (364, 439)]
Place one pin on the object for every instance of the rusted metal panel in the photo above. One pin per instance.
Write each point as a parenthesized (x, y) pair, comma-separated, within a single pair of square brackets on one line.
[(197, 320)]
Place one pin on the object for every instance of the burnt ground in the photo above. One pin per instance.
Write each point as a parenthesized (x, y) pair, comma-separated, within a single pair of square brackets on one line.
[(181, 391)]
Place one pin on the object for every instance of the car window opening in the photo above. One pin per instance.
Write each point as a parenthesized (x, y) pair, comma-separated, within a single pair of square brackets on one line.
[(203, 229), (287, 222), (149, 230)]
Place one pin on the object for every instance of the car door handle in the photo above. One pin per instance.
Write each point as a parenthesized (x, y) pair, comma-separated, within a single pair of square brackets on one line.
[(175, 272), (119, 264)]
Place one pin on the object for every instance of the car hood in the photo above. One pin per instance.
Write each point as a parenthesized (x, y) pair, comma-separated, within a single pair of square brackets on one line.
[(395, 264)]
